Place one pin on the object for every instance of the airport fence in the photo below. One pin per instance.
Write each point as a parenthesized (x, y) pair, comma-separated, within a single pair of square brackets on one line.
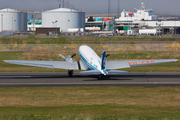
[(96, 47), (7, 33)]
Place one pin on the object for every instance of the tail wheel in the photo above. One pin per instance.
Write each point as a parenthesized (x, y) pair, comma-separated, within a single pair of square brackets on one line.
[(70, 72)]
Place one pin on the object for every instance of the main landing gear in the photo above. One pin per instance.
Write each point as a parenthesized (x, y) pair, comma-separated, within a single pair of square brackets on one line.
[(70, 72), (100, 77)]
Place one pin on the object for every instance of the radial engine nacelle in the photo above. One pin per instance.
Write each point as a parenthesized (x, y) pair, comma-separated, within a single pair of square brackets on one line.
[(68, 58)]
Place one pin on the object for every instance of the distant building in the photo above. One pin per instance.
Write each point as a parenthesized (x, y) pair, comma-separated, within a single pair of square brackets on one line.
[(99, 23), (145, 18), (141, 14), (32, 25)]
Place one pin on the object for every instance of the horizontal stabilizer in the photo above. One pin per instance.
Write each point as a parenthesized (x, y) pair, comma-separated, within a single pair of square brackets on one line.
[(97, 72), (117, 72), (91, 72)]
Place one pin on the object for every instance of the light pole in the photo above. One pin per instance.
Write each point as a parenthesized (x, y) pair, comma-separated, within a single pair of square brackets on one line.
[(56, 22), (156, 29), (12, 23), (13, 26), (53, 23), (159, 27), (175, 27), (56, 25), (33, 26), (2, 24)]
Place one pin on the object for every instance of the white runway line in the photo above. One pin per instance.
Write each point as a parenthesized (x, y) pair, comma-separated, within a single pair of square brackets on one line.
[(15, 76), (135, 83)]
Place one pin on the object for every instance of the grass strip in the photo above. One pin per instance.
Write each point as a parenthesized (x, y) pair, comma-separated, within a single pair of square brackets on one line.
[(122, 103), (67, 40), (91, 113)]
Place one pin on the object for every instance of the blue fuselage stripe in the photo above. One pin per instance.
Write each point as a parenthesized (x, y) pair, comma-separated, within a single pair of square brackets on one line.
[(89, 65)]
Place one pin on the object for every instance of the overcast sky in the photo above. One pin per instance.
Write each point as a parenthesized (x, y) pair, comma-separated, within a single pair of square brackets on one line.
[(96, 6)]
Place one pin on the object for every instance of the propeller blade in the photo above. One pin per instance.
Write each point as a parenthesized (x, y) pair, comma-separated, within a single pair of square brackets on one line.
[(62, 56), (107, 55), (73, 55)]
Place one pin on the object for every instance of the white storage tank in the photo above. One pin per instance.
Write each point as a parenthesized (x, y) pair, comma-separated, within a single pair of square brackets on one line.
[(13, 20), (148, 31), (64, 18)]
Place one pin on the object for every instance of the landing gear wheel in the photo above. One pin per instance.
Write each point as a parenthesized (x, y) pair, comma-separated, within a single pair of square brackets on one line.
[(100, 77), (70, 72)]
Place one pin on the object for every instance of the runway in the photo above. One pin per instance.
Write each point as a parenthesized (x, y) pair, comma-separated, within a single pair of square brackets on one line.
[(62, 79)]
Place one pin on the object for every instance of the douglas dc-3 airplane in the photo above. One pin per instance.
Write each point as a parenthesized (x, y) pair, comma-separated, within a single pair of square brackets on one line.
[(91, 62)]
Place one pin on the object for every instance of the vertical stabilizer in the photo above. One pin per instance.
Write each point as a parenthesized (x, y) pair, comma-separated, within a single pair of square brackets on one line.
[(103, 63), (103, 58)]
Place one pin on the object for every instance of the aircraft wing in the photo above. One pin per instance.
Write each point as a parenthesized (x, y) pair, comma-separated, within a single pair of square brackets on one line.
[(47, 64), (132, 63)]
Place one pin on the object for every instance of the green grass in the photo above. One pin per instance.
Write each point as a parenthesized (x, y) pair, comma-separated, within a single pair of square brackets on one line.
[(93, 103), (91, 113)]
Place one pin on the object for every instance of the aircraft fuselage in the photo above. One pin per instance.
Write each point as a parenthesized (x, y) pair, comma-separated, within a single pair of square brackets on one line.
[(90, 59)]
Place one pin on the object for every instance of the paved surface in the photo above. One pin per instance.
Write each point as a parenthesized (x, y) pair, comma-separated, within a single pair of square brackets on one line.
[(62, 79)]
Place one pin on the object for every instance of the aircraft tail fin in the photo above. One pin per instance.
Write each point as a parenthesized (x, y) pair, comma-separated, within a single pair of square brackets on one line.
[(103, 60)]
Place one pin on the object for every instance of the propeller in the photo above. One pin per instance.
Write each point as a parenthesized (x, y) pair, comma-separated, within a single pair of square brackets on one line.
[(73, 55), (67, 56), (107, 55), (62, 56)]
